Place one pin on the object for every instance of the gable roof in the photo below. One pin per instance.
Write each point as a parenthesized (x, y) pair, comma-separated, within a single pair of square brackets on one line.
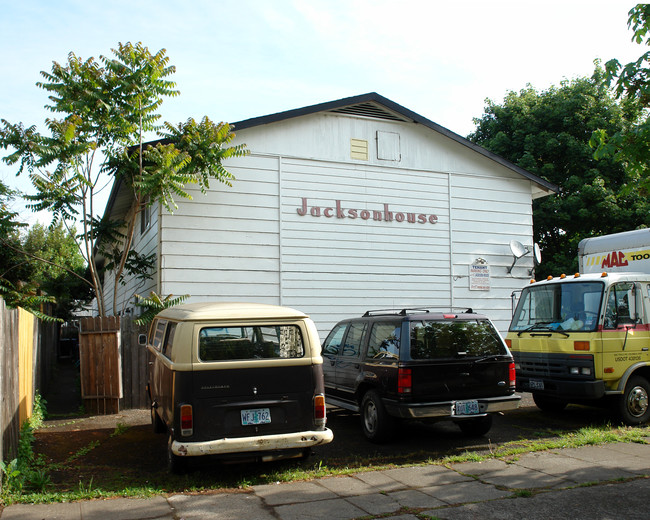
[(366, 105), (379, 107)]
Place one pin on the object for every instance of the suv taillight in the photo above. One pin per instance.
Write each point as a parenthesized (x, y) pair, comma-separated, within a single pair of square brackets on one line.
[(513, 375), (319, 411), (187, 421), (404, 381)]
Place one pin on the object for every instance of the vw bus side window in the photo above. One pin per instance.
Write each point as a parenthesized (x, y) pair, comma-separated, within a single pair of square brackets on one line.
[(252, 342), (158, 334), (169, 341)]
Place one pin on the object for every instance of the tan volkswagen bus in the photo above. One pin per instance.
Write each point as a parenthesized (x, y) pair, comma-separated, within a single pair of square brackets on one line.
[(236, 380)]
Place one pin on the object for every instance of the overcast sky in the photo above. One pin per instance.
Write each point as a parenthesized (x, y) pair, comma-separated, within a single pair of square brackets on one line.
[(246, 58)]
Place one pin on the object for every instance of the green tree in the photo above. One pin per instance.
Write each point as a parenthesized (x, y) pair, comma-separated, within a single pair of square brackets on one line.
[(107, 108), (548, 133), (630, 145), (14, 267), (41, 266), (57, 267)]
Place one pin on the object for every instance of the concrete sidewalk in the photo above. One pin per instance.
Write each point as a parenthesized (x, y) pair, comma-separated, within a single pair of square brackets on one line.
[(595, 482)]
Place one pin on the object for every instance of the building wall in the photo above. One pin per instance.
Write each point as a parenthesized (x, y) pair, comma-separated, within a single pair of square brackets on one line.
[(144, 243), (249, 242)]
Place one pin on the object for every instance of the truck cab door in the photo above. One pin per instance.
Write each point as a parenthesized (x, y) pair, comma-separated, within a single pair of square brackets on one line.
[(625, 332)]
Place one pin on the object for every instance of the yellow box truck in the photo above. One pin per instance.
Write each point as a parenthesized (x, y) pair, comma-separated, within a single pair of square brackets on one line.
[(585, 338)]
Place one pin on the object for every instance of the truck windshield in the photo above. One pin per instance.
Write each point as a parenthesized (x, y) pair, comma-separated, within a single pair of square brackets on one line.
[(569, 306)]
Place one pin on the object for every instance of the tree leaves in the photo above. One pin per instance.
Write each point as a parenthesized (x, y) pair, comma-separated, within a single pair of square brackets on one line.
[(154, 304), (548, 133), (102, 109), (631, 82)]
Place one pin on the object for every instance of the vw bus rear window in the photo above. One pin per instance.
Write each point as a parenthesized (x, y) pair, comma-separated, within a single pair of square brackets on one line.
[(250, 342)]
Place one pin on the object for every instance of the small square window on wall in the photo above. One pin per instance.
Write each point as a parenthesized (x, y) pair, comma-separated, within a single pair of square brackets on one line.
[(388, 146), (359, 149)]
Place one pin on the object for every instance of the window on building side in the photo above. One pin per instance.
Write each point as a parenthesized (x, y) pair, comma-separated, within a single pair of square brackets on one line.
[(145, 219)]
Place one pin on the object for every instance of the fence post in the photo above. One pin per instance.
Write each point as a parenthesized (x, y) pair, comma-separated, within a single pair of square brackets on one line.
[(9, 382)]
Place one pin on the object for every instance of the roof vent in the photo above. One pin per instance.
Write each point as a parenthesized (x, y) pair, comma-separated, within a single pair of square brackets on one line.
[(370, 110)]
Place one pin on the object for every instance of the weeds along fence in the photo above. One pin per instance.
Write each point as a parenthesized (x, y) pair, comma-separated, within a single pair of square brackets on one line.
[(27, 358)]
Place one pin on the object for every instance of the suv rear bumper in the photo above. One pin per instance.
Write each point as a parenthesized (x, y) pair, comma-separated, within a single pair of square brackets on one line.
[(443, 408), (283, 441)]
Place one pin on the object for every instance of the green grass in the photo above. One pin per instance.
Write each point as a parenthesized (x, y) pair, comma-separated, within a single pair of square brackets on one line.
[(244, 476)]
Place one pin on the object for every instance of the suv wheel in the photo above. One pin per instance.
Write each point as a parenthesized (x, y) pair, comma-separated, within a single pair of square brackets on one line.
[(377, 425), (549, 404), (475, 427)]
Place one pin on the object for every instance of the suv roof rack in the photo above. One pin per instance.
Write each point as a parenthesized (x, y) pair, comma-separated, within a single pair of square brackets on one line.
[(401, 312), (405, 311)]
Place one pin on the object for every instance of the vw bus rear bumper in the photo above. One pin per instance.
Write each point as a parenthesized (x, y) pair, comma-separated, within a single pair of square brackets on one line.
[(284, 441)]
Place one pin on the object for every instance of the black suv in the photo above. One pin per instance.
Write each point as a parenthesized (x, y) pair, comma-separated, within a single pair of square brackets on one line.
[(419, 364)]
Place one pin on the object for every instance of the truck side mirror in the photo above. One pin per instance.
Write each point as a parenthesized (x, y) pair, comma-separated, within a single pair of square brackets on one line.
[(142, 339)]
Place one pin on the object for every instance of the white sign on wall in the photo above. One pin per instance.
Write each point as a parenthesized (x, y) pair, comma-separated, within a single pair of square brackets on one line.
[(479, 276)]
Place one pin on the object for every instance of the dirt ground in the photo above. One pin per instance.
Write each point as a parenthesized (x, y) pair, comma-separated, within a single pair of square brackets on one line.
[(117, 451), (118, 447)]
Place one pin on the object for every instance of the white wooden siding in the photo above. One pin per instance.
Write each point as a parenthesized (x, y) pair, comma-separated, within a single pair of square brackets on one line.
[(224, 245), (248, 242), (333, 267), (487, 213), (144, 243)]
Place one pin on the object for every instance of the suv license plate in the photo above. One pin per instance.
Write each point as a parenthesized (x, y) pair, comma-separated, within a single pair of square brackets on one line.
[(256, 416), (465, 408), (536, 384)]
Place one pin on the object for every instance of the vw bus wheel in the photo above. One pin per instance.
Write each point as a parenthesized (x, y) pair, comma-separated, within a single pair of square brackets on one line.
[(633, 406), (175, 464), (377, 425), (156, 423)]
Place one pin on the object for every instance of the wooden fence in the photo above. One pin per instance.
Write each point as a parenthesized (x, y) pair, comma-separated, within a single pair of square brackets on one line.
[(28, 357), (25, 346)]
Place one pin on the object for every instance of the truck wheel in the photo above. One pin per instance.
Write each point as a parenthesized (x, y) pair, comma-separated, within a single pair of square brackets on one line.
[(156, 423), (377, 425), (175, 464), (633, 404), (475, 427), (549, 404)]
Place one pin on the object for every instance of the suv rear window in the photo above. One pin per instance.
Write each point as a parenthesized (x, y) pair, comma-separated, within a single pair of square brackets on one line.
[(449, 339), (251, 342)]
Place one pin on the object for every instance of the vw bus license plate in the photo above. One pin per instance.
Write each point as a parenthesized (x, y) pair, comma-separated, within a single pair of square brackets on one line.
[(256, 416), (465, 408)]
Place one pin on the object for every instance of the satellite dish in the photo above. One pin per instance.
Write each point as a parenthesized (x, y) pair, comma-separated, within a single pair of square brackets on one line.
[(518, 249), (537, 254)]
